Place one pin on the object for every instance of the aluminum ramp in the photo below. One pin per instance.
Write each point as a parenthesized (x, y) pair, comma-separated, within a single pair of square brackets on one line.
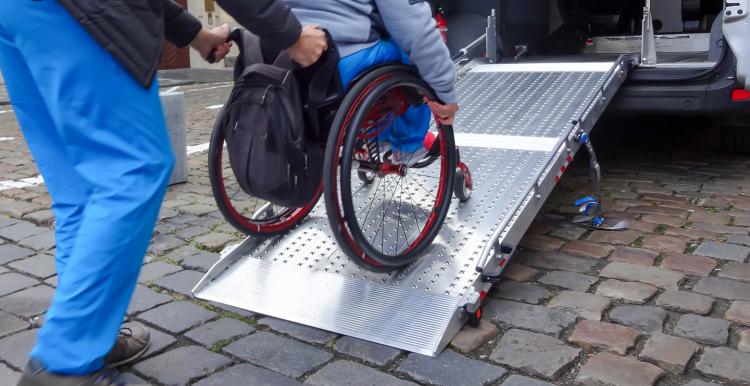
[(517, 130)]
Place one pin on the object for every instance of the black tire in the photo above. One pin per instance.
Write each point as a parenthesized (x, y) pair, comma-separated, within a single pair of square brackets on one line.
[(235, 205), (735, 139), (337, 176)]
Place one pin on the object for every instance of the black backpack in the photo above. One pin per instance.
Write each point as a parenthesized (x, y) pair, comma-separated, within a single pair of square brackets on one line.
[(272, 124)]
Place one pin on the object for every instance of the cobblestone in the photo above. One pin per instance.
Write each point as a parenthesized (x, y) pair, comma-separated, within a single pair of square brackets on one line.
[(666, 244), (10, 253), (638, 256), (14, 349), (369, 352), (519, 380), (542, 243), (350, 373), (724, 251), (181, 282), (145, 298), (736, 271), (520, 273), (20, 231), (181, 365), (12, 282), (591, 334), (668, 352), (727, 364), (614, 370), (298, 331), (218, 330), (246, 374), (622, 238), (535, 318), (214, 242), (632, 292), (568, 280), (744, 341), (29, 302), (587, 306), (533, 353), (279, 354), (527, 293), (723, 288), (646, 319), (690, 264), (441, 370), (155, 270), (687, 302), (8, 376), (41, 266), (10, 324), (703, 329), (470, 338), (177, 317), (587, 249), (201, 262), (560, 261), (650, 275), (739, 312), (41, 242)]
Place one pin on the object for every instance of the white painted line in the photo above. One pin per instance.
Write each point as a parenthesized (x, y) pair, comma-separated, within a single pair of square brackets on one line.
[(214, 107), (546, 67), (197, 149), (220, 85), (509, 142), (22, 183), (4, 139), (5, 111), (38, 180)]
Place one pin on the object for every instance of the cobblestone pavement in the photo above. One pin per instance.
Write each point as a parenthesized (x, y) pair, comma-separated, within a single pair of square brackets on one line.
[(666, 302)]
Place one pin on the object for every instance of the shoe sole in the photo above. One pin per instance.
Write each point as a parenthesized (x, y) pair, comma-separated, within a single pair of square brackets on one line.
[(132, 358)]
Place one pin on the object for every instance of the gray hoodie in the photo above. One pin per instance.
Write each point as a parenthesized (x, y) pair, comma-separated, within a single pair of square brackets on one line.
[(354, 26)]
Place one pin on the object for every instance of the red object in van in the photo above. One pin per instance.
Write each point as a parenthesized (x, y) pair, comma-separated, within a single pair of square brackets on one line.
[(442, 26)]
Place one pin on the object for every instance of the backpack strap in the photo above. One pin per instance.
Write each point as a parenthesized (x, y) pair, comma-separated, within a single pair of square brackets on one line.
[(250, 48)]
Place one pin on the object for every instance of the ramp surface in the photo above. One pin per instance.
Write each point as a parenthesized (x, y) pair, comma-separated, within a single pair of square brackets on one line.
[(516, 130)]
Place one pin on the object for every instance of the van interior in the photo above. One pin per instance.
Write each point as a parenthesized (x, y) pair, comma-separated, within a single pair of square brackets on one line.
[(686, 32)]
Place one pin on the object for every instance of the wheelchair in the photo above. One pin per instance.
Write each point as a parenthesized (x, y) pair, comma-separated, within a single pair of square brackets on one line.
[(383, 213)]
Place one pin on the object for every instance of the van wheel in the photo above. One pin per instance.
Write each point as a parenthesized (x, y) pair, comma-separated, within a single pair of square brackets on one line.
[(735, 139)]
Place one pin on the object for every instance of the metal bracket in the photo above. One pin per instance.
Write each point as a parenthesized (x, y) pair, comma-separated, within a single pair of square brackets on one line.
[(648, 40), (505, 252), (491, 40)]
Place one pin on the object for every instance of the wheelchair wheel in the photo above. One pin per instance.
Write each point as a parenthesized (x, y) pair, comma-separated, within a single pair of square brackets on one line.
[(385, 223), (250, 215)]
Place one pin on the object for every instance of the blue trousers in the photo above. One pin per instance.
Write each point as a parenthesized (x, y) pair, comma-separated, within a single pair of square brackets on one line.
[(100, 142), (408, 130)]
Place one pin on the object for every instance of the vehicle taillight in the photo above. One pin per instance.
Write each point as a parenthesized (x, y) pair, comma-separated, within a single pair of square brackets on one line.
[(740, 95)]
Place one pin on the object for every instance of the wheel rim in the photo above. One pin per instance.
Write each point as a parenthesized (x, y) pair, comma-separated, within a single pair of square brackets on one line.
[(247, 213), (387, 218)]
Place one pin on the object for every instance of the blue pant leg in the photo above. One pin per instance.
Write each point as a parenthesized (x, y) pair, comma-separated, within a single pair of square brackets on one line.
[(408, 130), (67, 189), (114, 134)]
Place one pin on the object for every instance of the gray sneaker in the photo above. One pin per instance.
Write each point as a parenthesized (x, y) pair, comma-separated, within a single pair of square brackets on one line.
[(131, 344), (36, 375)]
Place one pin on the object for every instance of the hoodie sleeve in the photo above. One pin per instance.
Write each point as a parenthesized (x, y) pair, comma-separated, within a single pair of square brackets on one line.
[(411, 26), (272, 20)]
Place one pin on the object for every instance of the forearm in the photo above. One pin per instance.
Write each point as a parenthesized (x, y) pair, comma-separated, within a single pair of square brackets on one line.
[(272, 20), (180, 27), (412, 27)]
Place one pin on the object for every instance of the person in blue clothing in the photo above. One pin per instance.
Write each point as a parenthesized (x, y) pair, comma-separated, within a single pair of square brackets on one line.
[(370, 32), (82, 80)]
